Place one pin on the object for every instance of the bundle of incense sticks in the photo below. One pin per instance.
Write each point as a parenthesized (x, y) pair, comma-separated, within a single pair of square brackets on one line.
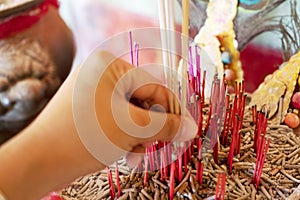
[(261, 144), (280, 174), (226, 166), (223, 115)]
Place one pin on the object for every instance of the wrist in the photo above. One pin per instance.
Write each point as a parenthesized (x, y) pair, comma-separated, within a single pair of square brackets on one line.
[(2, 197)]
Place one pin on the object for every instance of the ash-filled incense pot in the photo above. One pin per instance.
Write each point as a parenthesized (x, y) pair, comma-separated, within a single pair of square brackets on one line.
[(238, 153), (250, 159), (37, 51)]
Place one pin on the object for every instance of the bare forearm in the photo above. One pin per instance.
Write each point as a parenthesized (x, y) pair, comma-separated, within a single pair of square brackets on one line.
[(46, 156), (49, 153)]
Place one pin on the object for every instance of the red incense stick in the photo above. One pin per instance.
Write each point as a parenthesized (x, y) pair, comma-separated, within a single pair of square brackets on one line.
[(200, 118), (242, 112), (185, 161), (155, 151), (162, 167), (228, 125), (111, 184), (200, 165), (198, 71), (232, 146), (136, 51), (262, 162), (256, 130), (201, 173), (118, 180), (180, 168), (189, 151), (203, 89), (172, 180), (254, 112), (226, 120), (198, 170), (131, 47), (149, 152), (216, 152), (259, 156), (146, 160), (260, 159), (221, 186)]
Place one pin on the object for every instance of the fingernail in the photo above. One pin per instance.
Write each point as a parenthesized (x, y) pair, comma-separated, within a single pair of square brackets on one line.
[(189, 129)]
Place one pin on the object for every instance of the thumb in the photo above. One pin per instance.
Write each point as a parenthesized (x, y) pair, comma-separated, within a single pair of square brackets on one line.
[(175, 127), (163, 126)]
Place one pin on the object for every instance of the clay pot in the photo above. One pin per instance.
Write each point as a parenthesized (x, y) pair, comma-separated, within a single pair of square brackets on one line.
[(33, 64)]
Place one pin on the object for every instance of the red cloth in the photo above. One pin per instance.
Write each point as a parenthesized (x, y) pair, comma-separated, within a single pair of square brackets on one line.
[(258, 61), (24, 20)]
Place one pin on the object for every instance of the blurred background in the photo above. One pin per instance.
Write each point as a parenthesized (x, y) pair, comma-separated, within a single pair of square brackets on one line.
[(93, 21)]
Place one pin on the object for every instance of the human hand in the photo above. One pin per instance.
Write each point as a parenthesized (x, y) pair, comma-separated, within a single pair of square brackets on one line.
[(90, 117), (121, 126)]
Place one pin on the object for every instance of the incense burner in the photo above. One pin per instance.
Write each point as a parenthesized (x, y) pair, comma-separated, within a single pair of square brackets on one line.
[(251, 159)]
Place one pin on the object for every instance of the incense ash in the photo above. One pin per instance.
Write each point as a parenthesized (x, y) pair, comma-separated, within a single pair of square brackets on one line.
[(238, 152), (276, 177)]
